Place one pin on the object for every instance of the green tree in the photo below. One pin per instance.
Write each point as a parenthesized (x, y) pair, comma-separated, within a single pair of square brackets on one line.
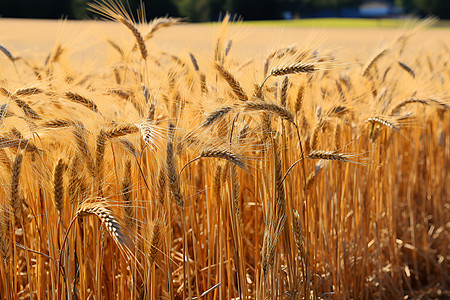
[(50, 9), (199, 10), (255, 9), (158, 8), (440, 8), (78, 9)]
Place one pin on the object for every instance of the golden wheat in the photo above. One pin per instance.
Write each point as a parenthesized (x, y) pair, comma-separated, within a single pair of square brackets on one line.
[(93, 159)]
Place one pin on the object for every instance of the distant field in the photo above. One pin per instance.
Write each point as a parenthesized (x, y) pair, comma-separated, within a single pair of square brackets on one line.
[(348, 37), (333, 23), (342, 23)]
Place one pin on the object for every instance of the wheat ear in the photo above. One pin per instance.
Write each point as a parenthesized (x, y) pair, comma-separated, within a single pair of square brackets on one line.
[(161, 23), (29, 91), (194, 62), (57, 123), (129, 146), (77, 98), (120, 130), (111, 223), (15, 199), (127, 195), (216, 115), (280, 207), (172, 174), (397, 108), (147, 131), (284, 91), (278, 110), (83, 147), (3, 112), (270, 241), (315, 136), (5, 227), (218, 153), (327, 155), (29, 112), (161, 186), (371, 64), (232, 82), (106, 216), (116, 47), (407, 69), (8, 54), (285, 114), (298, 233), (58, 186), (295, 68), (137, 35), (73, 189), (100, 153), (155, 240), (383, 121)]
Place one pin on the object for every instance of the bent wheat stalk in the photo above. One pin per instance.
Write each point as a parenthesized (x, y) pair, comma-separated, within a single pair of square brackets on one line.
[(218, 153), (110, 222), (285, 114)]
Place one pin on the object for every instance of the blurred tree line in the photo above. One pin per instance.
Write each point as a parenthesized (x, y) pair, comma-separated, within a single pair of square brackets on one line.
[(209, 10)]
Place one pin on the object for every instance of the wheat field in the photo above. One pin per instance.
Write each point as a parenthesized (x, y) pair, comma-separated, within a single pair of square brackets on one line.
[(133, 168)]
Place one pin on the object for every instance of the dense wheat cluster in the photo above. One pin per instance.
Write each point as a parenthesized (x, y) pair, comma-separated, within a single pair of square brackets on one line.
[(174, 176)]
